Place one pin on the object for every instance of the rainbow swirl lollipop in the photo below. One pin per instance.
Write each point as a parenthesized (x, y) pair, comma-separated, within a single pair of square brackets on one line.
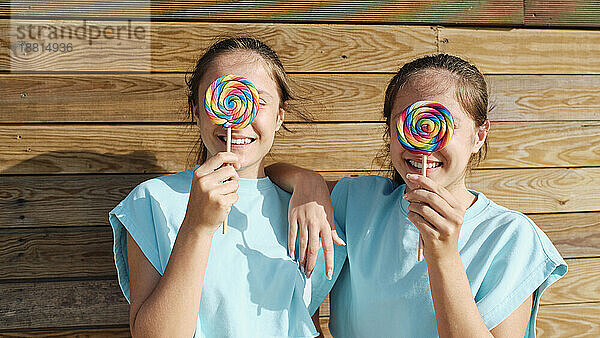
[(231, 101), (425, 127)]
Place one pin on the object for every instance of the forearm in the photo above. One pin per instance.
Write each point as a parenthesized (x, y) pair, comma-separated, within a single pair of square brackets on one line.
[(287, 176), (172, 307), (455, 310)]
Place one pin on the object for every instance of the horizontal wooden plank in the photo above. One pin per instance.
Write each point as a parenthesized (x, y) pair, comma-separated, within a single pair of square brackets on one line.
[(321, 48), (525, 51), (328, 97), (163, 97), (372, 11), (543, 144), (566, 13), (59, 201), (39, 305), (544, 97), (70, 333), (47, 254), (43, 149), (540, 190), (581, 283), (573, 234), (577, 320), (175, 47)]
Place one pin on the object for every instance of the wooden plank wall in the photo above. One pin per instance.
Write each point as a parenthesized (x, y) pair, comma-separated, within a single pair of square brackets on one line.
[(76, 135)]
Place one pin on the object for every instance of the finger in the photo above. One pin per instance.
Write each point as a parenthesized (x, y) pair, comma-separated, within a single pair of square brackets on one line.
[(302, 244), (420, 181), (223, 174), (292, 231), (312, 251), (215, 162), (226, 188), (327, 243), (230, 199), (217, 178), (425, 229), (430, 215), (432, 199), (337, 239)]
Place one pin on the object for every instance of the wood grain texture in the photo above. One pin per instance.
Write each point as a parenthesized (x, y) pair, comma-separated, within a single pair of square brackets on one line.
[(47, 254), (70, 333), (566, 13), (578, 320), (163, 97), (543, 144), (62, 201), (544, 97), (525, 51), (175, 47), (165, 148), (334, 48), (65, 304), (437, 12), (573, 234), (64, 149), (327, 97), (579, 285), (540, 190)]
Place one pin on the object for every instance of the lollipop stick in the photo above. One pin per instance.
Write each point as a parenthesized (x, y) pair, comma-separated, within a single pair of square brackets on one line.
[(424, 173), (228, 150)]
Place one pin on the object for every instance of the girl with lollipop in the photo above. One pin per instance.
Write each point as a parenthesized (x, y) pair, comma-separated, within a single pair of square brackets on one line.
[(485, 266), (183, 278)]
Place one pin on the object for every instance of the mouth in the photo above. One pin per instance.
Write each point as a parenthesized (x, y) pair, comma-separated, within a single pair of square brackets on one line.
[(237, 141), (418, 165)]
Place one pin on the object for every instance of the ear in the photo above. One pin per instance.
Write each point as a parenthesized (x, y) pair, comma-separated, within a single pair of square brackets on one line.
[(280, 118), (481, 136)]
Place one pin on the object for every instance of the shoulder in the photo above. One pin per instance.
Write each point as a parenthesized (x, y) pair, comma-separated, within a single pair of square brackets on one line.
[(367, 184), (177, 183), (512, 229)]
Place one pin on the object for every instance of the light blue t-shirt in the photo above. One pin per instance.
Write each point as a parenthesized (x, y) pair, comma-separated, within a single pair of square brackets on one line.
[(252, 288), (383, 291)]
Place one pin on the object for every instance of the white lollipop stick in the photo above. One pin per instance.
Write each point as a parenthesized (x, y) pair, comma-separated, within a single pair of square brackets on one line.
[(228, 150), (424, 173)]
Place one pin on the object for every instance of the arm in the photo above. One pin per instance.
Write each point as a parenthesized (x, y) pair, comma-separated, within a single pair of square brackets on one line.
[(310, 214), (168, 305), (439, 217)]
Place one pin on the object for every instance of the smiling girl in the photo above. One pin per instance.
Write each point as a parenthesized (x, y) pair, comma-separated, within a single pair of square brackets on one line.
[(485, 266), (181, 277)]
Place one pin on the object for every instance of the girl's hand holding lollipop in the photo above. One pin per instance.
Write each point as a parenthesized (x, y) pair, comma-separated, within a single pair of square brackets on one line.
[(423, 128)]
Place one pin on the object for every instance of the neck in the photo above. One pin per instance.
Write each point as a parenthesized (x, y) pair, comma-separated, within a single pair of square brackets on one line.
[(252, 171), (461, 193)]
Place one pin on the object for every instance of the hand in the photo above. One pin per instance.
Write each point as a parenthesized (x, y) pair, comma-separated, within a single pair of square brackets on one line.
[(213, 192), (311, 217), (437, 215)]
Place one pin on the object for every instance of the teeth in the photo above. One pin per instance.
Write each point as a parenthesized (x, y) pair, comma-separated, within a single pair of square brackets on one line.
[(240, 140), (420, 165)]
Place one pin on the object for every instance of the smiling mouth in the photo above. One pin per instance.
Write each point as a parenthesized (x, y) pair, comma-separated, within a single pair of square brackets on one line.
[(419, 165), (237, 141)]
